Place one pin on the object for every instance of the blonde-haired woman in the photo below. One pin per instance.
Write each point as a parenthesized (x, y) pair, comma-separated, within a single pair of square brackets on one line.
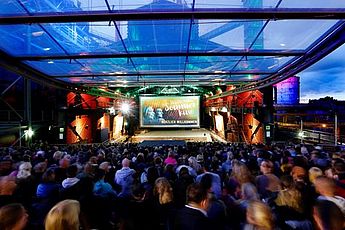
[(63, 216), (240, 173), (259, 216), (164, 205), (164, 190)]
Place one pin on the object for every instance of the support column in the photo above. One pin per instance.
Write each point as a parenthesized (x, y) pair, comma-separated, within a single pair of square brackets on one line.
[(27, 106)]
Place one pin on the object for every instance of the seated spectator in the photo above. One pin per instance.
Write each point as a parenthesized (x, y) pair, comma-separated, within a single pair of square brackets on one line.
[(124, 178), (48, 188), (328, 216), (248, 193), (326, 188), (267, 183), (63, 216), (181, 185), (13, 217), (170, 159), (259, 216), (216, 210), (216, 182), (194, 215), (289, 196), (7, 188), (71, 186), (314, 172), (102, 188), (164, 205), (339, 171)]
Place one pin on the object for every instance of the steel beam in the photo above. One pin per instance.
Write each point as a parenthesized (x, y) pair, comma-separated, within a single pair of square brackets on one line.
[(172, 73), (249, 53), (178, 14)]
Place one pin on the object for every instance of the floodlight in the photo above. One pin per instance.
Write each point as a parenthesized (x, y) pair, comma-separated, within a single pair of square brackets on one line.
[(125, 108), (29, 133)]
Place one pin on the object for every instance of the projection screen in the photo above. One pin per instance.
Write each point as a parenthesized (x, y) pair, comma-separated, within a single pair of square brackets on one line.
[(170, 111)]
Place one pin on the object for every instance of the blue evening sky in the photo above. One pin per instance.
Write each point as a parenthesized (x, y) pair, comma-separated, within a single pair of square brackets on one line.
[(325, 78)]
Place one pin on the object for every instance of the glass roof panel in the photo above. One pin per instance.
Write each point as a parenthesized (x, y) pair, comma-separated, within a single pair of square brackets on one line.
[(100, 79), (277, 34), (312, 4), (10, 8), (80, 37), (211, 63), (220, 79), (262, 64), (247, 77), (162, 78), (45, 6), (235, 4), (149, 5), (157, 36), (160, 64), (222, 35), (28, 40), (58, 67), (83, 66)]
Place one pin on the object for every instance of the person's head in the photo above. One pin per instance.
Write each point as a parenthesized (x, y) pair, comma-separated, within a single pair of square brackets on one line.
[(7, 185), (339, 166), (314, 172), (328, 216), (13, 217), (64, 163), (206, 182), (63, 216), (164, 190), (266, 167), (298, 174), (241, 172), (72, 171), (325, 186), (49, 175), (260, 215), (197, 196), (183, 172), (104, 166), (249, 192), (24, 170), (152, 175), (125, 162)]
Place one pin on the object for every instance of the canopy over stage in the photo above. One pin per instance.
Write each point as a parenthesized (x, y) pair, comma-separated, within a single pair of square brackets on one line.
[(192, 135)]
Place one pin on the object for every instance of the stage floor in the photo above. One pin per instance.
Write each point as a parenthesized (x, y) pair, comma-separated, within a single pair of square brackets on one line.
[(192, 135)]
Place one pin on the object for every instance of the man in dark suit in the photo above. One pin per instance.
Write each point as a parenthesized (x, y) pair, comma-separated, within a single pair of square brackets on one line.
[(194, 216)]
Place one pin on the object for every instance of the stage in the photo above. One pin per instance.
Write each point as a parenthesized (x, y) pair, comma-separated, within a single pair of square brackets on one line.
[(190, 135)]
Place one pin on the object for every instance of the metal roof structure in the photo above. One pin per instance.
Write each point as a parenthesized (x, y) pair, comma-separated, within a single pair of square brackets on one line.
[(79, 44)]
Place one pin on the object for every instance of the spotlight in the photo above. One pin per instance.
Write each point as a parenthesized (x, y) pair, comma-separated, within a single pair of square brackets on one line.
[(29, 133), (125, 107), (301, 134), (112, 110)]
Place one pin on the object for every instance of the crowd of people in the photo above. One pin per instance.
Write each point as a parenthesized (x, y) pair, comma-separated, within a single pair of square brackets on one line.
[(199, 186)]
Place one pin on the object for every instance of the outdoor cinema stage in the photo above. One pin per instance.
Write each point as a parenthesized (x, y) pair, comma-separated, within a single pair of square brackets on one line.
[(192, 135)]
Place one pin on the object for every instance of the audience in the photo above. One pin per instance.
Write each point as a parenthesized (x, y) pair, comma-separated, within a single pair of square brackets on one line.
[(227, 186)]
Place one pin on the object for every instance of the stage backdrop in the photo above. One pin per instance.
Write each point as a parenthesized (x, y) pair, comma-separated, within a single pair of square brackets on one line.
[(170, 111)]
